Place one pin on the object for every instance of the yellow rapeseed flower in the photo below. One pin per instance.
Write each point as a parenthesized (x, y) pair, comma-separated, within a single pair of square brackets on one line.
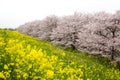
[(35, 77), (72, 63), (42, 79), (50, 74), (18, 76), (7, 74), (12, 64), (2, 43), (40, 53), (28, 48), (54, 58), (5, 66), (79, 79), (30, 66), (88, 79), (25, 75), (63, 54), (2, 76)]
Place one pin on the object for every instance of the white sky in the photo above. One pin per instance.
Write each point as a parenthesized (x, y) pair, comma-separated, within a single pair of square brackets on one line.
[(17, 12)]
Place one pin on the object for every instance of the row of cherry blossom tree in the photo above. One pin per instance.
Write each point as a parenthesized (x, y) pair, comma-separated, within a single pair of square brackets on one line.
[(97, 33)]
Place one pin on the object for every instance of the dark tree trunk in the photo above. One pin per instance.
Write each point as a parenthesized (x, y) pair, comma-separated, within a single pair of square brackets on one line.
[(112, 53)]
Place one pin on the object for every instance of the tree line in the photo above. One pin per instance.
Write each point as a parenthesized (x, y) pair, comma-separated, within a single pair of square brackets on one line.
[(97, 33)]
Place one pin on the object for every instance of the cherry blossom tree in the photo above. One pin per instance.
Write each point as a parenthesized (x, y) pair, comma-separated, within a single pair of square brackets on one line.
[(65, 33), (101, 38), (97, 33), (41, 29)]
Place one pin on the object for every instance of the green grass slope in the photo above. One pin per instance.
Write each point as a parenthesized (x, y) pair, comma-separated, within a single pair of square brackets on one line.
[(26, 58)]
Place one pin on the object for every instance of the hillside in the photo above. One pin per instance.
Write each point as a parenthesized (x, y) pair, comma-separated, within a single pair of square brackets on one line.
[(23, 57)]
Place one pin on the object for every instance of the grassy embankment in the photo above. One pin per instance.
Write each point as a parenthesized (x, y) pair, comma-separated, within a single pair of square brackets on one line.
[(26, 58)]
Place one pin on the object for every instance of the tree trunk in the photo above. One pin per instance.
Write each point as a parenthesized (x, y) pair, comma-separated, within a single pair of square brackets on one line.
[(112, 52)]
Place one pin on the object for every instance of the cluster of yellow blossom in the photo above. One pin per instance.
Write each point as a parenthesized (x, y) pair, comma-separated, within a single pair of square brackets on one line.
[(22, 58)]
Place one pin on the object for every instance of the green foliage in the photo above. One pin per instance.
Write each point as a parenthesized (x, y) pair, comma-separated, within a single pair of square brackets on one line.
[(26, 58)]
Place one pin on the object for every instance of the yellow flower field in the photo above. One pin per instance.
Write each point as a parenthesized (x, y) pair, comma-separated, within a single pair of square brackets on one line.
[(26, 58)]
